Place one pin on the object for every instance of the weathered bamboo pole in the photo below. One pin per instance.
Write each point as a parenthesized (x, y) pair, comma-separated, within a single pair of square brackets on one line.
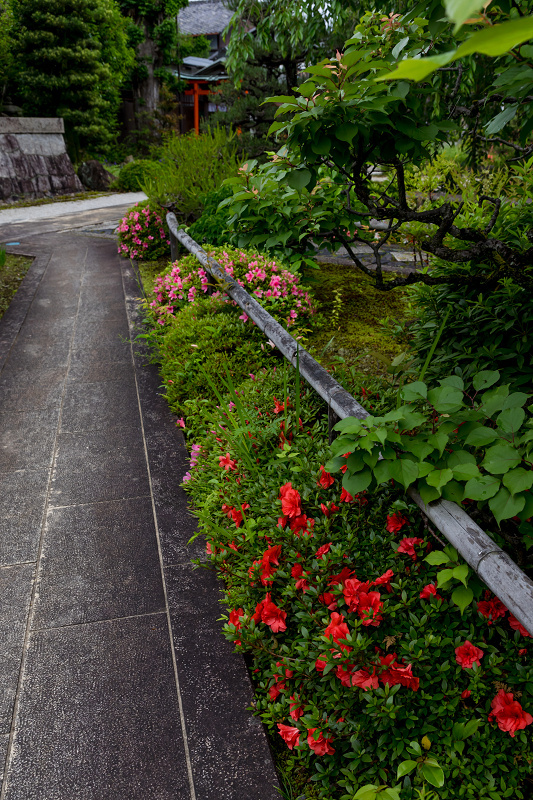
[(497, 570)]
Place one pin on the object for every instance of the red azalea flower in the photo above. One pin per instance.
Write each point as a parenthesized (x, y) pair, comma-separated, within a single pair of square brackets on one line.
[(327, 599), (237, 515), (319, 746), (274, 692), (427, 591), (235, 617), (345, 466), (210, 549), (290, 501), (291, 736), (320, 663), (468, 654), (227, 462), (346, 497), (361, 498), (465, 694), (278, 407), (337, 629), (282, 522), (258, 611), (352, 592), (273, 616), (522, 651), (384, 580), (342, 576), (491, 609), (364, 680), (326, 479), (397, 672), (368, 609), (321, 552), (297, 710), (407, 546), (517, 626), (395, 522), (328, 511), (509, 714), (344, 674), (299, 523)]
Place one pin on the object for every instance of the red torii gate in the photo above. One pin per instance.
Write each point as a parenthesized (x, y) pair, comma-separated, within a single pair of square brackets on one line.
[(196, 91)]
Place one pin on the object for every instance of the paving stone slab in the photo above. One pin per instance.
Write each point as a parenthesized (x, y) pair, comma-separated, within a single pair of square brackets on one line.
[(81, 372), (88, 406), (27, 389), (98, 716), (4, 740), (95, 352), (27, 439), (22, 501), (16, 585), (229, 753), (112, 331), (93, 466), (100, 561)]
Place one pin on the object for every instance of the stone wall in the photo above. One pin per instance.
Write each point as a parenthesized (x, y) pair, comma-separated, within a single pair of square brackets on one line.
[(34, 160)]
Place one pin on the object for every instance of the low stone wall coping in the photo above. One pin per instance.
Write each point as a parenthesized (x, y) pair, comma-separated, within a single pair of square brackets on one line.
[(31, 125)]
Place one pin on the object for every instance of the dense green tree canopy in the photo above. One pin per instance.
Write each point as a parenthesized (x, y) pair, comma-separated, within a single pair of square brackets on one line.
[(71, 57)]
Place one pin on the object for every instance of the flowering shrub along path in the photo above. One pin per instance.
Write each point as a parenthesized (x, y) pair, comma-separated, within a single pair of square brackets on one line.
[(363, 664)]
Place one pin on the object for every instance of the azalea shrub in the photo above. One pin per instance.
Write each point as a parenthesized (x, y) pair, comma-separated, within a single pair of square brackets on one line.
[(267, 280), (143, 233), (363, 664)]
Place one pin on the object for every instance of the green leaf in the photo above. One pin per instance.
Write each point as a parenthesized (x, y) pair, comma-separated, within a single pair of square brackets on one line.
[(346, 131), (367, 792), (500, 120), (307, 89), (428, 493), (518, 480), (464, 472), (382, 472), (417, 447), (471, 728), (439, 477), (461, 573), (439, 441), (358, 482), (501, 458), (416, 69), (403, 471), (511, 419), (481, 488), (446, 399), (453, 380), (349, 425), (405, 768), (494, 399), (460, 457), (298, 179), (516, 399), (497, 40), (321, 146), (355, 461), (453, 491), (504, 505), (437, 557), (485, 379), (433, 774), (481, 436), (414, 391), (460, 10), (444, 577), (462, 597)]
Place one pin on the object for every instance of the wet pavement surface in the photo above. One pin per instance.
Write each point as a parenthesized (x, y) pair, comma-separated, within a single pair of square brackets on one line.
[(116, 680)]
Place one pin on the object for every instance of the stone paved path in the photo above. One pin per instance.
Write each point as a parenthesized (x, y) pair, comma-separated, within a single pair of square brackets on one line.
[(115, 681)]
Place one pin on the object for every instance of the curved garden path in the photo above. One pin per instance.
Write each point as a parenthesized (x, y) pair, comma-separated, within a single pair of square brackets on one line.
[(116, 682)]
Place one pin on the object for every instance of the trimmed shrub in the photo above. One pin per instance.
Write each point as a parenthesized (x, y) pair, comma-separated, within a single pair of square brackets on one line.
[(134, 174), (143, 233)]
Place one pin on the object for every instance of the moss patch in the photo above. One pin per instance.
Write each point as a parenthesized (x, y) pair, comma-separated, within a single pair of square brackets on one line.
[(11, 275), (351, 313), (149, 270)]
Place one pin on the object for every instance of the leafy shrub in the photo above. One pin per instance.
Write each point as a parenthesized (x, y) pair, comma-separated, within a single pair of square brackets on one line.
[(276, 288), (142, 233), (134, 174), (362, 662), (191, 165), (464, 446), (212, 225), (204, 340)]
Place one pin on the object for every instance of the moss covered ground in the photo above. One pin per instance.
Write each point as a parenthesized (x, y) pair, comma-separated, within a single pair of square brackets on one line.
[(11, 275), (351, 315)]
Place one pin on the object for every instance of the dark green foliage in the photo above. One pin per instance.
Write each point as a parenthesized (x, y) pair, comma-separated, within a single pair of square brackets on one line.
[(72, 56), (212, 225), (206, 337), (12, 271), (133, 175)]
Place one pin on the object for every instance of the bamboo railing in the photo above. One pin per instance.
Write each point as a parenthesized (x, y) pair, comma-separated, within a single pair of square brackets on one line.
[(495, 568)]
